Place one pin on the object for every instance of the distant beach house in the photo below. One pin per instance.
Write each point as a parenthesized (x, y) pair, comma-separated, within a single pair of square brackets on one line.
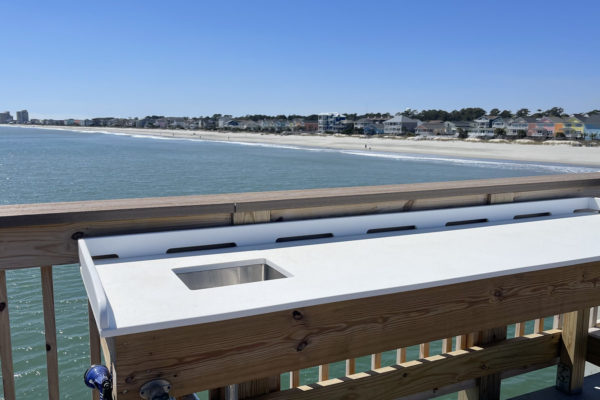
[(400, 125), (331, 122), (518, 127), (454, 128), (483, 127), (586, 125), (431, 128)]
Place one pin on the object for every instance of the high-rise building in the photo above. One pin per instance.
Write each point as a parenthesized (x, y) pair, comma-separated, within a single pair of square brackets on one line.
[(22, 117), (5, 117)]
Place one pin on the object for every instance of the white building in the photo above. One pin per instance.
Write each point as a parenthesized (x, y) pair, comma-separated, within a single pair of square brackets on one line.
[(400, 125), (331, 122)]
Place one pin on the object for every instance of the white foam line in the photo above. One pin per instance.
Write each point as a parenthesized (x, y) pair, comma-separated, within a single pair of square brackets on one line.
[(475, 162)]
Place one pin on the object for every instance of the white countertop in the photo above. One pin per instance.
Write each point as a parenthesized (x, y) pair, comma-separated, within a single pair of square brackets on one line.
[(146, 295)]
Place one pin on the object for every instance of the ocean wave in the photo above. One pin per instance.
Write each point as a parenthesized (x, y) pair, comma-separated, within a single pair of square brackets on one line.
[(485, 163)]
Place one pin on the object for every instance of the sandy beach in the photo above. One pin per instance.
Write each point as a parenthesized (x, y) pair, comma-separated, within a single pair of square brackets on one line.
[(559, 153)]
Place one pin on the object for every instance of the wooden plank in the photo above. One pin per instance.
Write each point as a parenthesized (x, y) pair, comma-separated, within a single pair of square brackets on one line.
[(538, 325), (50, 332), (447, 345), (593, 317), (8, 379), (571, 368), (593, 347), (557, 321), (520, 329), (350, 366), (461, 342), (55, 244), (323, 372), (401, 355), (258, 346), (95, 345), (436, 372), (375, 360), (252, 217), (423, 350), (294, 378), (169, 207), (41, 234), (487, 387), (256, 387), (372, 194)]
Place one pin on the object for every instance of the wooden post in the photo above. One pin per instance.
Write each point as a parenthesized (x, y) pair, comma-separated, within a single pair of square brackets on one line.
[(8, 378), (95, 357), (571, 368), (50, 332), (488, 387)]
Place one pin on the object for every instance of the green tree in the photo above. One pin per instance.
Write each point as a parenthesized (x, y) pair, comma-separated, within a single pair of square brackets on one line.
[(523, 112), (506, 114), (494, 112), (499, 132), (462, 134), (521, 133)]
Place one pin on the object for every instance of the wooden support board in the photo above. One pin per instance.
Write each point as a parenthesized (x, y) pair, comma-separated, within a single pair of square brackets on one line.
[(43, 234), (571, 369), (431, 373), (8, 380), (50, 332), (264, 345)]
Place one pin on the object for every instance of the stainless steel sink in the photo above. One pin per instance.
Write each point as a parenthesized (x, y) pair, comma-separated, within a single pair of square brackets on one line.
[(228, 274)]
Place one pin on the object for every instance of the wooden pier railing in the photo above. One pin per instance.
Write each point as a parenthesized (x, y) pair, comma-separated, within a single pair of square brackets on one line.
[(469, 319)]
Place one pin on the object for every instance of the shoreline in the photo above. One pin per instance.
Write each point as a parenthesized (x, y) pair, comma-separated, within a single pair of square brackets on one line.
[(550, 154)]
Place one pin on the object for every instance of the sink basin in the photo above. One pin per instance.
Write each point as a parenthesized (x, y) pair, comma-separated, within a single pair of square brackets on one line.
[(225, 274)]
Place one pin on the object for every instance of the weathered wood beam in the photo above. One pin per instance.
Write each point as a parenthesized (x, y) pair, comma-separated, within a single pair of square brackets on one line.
[(433, 372), (571, 368), (593, 346), (43, 234), (8, 379), (50, 332)]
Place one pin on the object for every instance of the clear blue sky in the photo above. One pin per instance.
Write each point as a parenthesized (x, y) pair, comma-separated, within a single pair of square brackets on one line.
[(191, 58)]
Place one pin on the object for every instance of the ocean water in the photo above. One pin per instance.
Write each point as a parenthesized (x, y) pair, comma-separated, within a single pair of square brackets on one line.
[(40, 165)]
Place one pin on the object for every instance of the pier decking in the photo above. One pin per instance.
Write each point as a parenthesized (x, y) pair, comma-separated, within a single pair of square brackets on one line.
[(252, 352)]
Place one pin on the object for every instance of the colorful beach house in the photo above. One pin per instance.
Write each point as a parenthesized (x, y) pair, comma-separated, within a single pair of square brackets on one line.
[(574, 127)]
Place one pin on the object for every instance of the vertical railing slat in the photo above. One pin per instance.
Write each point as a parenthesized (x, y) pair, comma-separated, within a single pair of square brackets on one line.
[(538, 325), (323, 372), (294, 378), (50, 332), (520, 329), (375, 360), (95, 357), (424, 350), (401, 355), (447, 345), (350, 366), (593, 317), (8, 377)]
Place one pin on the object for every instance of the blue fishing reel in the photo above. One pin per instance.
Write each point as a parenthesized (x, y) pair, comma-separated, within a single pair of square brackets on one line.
[(98, 377)]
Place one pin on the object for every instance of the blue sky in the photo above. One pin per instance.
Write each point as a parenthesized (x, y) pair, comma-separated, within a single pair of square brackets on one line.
[(192, 58)]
